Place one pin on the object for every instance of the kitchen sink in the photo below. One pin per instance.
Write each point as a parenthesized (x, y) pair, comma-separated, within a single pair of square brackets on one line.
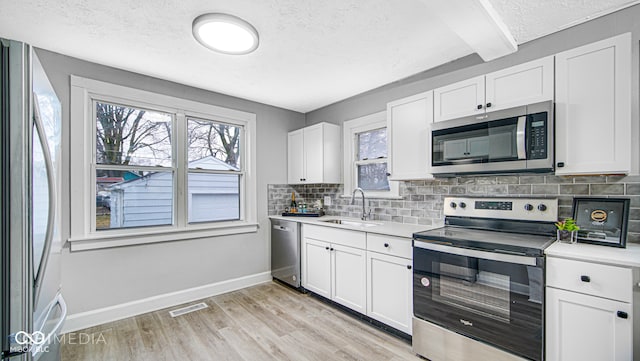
[(351, 223)]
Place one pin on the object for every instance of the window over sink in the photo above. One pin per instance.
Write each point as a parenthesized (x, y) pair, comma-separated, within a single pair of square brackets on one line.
[(366, 157)]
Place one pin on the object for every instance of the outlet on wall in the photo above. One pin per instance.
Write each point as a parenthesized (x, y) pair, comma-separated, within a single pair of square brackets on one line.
[(327, 201)]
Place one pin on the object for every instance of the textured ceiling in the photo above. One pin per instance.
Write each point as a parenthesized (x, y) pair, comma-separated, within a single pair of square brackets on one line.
[(311, 54), (528, 20)]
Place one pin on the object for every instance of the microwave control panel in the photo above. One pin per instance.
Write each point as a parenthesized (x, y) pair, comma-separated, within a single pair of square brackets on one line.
[(537, 136)]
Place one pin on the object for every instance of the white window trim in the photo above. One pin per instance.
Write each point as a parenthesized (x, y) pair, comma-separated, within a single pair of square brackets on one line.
[(82, 162), (350, 129)]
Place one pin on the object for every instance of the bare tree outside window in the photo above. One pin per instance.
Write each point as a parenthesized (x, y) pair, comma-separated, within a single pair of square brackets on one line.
[(221, 141), (131, 136)]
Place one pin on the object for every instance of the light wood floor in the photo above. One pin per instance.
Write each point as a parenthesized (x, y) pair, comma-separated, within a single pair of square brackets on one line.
[(264, 322)]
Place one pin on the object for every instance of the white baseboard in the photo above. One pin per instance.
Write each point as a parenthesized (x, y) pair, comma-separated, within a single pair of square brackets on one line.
[(79, 321)]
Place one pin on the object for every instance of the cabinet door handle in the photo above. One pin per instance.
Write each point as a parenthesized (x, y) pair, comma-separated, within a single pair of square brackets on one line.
[(585, 278), (386, 245), (327, 248), (488, 105), (479, 106), (408, 266), (622, 314), (560, 164), (330, 249)]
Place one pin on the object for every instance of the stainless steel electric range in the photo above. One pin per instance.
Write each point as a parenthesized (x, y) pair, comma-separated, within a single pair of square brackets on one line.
[(479, 280)]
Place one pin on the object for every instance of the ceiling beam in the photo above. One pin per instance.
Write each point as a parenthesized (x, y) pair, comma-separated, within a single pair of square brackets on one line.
[(477, 24)]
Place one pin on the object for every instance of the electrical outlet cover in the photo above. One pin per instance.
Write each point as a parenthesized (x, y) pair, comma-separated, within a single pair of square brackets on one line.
[(327, 201)]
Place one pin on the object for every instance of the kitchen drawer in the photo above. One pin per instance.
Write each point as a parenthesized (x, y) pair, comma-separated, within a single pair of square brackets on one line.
[(590, 278), (395, 246), (344, 237)]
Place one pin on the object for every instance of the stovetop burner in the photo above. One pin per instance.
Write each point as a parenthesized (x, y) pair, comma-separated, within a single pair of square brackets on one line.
[(523, 226), (495, 241)]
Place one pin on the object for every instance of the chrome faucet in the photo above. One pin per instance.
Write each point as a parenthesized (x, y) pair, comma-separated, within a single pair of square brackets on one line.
[(353, 198)]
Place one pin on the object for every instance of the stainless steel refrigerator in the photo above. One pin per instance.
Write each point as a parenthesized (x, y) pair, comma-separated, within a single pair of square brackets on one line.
[(32, 307)]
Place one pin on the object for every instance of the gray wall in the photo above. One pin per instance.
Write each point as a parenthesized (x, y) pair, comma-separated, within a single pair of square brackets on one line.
[(373, 101), (101, 278)]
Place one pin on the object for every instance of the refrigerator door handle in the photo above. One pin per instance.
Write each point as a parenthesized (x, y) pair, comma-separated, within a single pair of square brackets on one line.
[(58, 300), (39, 127)]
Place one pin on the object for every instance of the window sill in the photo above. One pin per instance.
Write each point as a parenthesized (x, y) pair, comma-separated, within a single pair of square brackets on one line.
[(137, 237), (390, 196)]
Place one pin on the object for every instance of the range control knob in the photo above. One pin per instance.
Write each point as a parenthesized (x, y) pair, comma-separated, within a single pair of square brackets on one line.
[(542, 207), (528, 207), (463, 205), (453, 205)]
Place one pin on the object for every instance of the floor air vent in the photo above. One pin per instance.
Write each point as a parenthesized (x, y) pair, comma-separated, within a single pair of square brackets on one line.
[(188, 309)]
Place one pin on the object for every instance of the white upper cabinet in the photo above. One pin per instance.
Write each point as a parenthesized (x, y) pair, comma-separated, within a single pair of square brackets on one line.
[(313, 141), (409, 136), (522, 84), (459, 99), (313, 154), (295, 161), (593, 108)]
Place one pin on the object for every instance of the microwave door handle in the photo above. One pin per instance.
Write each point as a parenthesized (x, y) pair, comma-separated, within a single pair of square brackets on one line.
[(521, 137)]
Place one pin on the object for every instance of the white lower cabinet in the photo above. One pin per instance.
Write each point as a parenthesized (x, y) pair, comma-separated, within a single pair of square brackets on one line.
[(389, 290), (368, 273), (316, 271), (582, 327), (333, 270), (349, 277), (589, 311)]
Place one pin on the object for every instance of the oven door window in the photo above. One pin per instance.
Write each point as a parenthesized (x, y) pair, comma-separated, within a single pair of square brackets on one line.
[(496, 302), (484, 293), (494, 141)]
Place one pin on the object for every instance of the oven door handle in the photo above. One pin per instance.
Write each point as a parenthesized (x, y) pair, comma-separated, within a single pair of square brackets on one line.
[(521, 137), (466, 252)]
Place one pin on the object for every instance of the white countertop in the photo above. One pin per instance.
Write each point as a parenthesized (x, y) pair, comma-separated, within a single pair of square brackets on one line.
[(629, 256), (386, 228)]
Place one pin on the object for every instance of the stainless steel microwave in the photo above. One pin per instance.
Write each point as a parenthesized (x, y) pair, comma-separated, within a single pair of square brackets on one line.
[(506, 141)]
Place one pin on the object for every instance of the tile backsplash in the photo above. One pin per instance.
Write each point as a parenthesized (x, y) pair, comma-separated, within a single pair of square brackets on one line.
[(421, 202)]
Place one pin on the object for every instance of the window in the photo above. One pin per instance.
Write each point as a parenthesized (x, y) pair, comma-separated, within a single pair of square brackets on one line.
[(366, 157), (214, 170), (371, 160), (148, 167), (134, 167)]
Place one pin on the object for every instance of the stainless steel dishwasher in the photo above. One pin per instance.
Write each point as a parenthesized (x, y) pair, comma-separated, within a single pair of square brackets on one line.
[(285, 251)]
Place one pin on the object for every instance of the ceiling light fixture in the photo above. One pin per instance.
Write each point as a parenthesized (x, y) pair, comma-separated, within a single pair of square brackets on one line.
[(225, 33)]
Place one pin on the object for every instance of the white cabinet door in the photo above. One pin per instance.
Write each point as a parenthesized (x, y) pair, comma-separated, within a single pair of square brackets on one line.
[(409, 136), (349, 280), (316, 267), (593, 108), (459, 99), (518, 85), (313, 154), (390, 290), (587, 328), (295, 157)]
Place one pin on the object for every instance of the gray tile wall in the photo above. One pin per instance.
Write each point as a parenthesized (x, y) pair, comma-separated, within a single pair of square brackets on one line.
[(422, 201)]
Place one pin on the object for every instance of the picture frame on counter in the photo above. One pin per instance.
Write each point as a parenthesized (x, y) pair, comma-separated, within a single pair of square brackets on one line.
[(602, 221)]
